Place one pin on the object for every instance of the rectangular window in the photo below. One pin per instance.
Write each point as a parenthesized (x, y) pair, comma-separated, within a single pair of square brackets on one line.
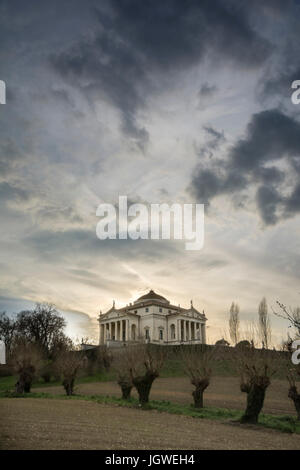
[(147, 334), (161, 334), (147, 309), (160, 309)]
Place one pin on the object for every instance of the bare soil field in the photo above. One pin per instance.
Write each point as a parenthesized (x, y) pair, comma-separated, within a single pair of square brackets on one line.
[(34, 423), (223, 392)]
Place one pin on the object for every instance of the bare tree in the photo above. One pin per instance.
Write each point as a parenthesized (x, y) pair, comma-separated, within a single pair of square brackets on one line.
[(197, 361), (144, 362), (8, 328), (256, 367), (123, 374), (26, 360), (293, 391), (264, 325), (67, 365), (234, 323), (60, 343), (41, 325), (291, 315)]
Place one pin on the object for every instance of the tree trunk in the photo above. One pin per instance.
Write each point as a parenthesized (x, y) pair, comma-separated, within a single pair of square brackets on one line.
[(255, 402), (143, 385), (69, 386), (19, 387), (126, 388), (245, 387), (24, 383), (198, 397), (295, 396), (27, 386), (46, 377), (198, 392)]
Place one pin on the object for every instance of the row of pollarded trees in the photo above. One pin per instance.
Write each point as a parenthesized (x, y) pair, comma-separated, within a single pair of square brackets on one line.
[(29, 363), (138, 366), (33, 340), (36, 346), (37, 343)]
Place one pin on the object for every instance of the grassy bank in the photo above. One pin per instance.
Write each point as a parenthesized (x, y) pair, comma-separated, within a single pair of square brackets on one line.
[(285, 424)]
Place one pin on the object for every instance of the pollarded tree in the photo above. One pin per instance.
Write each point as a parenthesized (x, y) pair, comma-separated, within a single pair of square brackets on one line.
[(144, 363), (123, 374), (294, 395), (26, 359), (67, 365), (197, 362), (256, 367)]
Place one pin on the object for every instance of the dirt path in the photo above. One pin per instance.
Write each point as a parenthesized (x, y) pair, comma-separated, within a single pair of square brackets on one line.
[(223, 392), (57, 424)]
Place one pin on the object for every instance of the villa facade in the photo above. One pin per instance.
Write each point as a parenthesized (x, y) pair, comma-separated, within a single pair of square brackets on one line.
[(151, 318)]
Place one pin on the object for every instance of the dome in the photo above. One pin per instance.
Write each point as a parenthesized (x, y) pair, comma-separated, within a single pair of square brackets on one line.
[(152, 296)]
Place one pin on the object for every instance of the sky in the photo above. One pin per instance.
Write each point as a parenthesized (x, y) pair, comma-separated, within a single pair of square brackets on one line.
[(175, 101)]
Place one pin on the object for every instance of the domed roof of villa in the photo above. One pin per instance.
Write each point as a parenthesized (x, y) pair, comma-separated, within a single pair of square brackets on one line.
[(151, 295)]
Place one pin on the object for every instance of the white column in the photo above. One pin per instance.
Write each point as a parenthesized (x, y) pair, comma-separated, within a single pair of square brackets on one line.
[(121, 330), (127, 331), (184, 330), (110, 330)]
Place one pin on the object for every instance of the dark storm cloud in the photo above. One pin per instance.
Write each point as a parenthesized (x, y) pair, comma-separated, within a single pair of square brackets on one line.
[(179, 32), (267, 199), (271, 135), (269, 175), (293, 203), (208, 183), (271, 138), (275, 84), (138, 41)]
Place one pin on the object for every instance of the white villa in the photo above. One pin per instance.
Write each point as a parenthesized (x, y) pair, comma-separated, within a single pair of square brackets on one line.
[(151, 318)]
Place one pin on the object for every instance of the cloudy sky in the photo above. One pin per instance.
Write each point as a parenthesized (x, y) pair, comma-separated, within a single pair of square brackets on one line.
[(175, 101)]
